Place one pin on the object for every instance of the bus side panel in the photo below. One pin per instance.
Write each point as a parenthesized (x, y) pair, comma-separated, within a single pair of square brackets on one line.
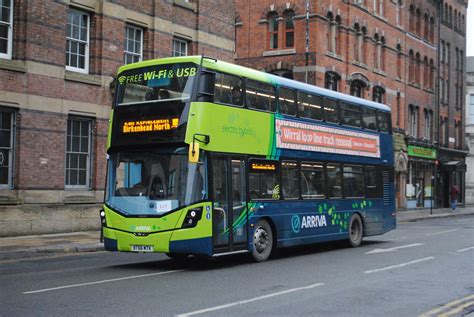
[(231, 130), (304, 222)]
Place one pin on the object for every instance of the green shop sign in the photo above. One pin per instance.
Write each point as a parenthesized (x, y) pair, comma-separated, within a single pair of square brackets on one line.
[(422, 152)]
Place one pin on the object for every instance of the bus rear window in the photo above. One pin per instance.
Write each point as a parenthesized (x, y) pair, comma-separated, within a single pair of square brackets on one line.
[(384, 121)]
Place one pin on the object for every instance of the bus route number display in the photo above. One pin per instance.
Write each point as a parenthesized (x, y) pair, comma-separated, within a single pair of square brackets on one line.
[(155, 125), (263, 166)]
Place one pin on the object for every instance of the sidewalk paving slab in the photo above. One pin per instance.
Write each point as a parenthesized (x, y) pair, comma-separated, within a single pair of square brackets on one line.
[(63, 243)]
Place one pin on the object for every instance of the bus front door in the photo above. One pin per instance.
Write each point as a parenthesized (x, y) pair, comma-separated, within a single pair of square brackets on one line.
[(229, 211)]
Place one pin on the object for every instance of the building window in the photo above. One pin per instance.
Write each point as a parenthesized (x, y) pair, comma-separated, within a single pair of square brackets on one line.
[(78, 152), (333, 34), (398, 10), (289, 29), (411, 19), (411, 67), (7, 137), (378, 94), (399, 61), (428, 124), (471, 109), (180, 48), (6, 28), (378, 7), (357, 88), (413, 120), (331, 81), (272, 31), (77, 41), (133, 44), (418, 69)]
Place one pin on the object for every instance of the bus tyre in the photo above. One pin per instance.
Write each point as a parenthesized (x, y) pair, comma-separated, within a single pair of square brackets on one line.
[(356, 230), (177, 256), (262, 241)]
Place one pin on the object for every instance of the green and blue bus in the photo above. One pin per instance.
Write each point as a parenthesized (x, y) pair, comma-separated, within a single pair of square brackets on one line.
[(210, 158)]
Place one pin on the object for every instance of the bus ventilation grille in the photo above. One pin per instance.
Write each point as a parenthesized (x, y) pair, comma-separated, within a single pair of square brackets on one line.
[(386, 188)]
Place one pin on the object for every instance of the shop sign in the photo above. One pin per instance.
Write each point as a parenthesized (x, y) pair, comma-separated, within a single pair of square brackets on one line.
[(421, 152)]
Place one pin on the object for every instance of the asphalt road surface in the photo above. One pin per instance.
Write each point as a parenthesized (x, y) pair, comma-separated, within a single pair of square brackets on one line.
[(423, 268)]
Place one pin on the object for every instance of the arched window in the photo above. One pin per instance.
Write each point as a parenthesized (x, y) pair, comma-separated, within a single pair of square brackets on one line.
[(283, 73), (418, 69), (450, 16), (357, 88), (432, 29), (399, 61), (426, 26), (413, 120), (411, 67), (363, 45), (398, 10), (272, 30), (378, 94), (455, 19), (383, 52), (426, 72), (418, 22), (432, 74), (446, 15), (357, 43), (333, 34), (411, 21), (377, 51), (331, 81), (289, 31)]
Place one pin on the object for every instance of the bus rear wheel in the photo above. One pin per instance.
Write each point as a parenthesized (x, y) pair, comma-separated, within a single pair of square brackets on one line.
[(356, 230), (262, 241)]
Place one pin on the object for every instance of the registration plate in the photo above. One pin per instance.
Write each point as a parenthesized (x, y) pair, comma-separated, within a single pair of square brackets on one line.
[(142, 248)]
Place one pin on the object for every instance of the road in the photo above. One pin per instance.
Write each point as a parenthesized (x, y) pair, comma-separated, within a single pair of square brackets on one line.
[(422, 268)]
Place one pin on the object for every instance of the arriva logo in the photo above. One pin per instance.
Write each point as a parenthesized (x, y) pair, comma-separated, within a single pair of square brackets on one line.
[(140, 228), (307, 222), (296, 223)]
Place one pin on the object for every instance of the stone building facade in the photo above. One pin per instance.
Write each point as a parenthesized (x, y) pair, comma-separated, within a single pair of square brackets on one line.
[(380, 50), (58, 59)]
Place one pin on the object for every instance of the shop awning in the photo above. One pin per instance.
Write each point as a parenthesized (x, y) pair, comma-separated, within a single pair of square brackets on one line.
[(454, 166)]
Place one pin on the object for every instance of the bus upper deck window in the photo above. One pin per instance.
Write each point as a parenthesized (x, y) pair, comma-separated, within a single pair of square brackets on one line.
[(350, 114), (369, 118), (330, 110), (286, 99), (227, 89), (310, 106), (384, 121), (260, 96)]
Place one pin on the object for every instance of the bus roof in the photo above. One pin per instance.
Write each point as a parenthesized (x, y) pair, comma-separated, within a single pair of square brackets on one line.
[(257, 75)]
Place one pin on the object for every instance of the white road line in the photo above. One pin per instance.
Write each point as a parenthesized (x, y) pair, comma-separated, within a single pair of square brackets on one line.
[(440, 232), (374, 251), (399, 265), (101, 282), (397, 239), (466, 249), (206, 310)]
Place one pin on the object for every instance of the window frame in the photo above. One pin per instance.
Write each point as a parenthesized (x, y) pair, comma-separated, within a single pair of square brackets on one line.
[(84, 70), (180, 41), (273, 20), (295, 101), (89, 154), (11, 148), (288, 15), (248, 104), (8, 54), (242, 91), (130, 53)]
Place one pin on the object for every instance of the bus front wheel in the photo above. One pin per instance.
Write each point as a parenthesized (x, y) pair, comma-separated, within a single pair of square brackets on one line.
[(355, 230), (262, 241)]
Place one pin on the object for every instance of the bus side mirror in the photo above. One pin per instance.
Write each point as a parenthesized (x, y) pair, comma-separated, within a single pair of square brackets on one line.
[(193, 154)]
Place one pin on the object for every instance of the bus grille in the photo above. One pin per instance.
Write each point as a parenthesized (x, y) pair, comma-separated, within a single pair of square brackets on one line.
[(386, 187)]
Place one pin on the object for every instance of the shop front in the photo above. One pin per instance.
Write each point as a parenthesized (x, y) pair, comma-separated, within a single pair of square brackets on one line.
[(420, 180), (451, 173)]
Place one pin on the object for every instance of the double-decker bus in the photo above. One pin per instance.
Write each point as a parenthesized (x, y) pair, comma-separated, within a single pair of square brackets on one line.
[(209, 158)]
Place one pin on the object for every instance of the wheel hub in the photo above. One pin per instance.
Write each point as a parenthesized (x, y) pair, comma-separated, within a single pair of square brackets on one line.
[(260, 239)]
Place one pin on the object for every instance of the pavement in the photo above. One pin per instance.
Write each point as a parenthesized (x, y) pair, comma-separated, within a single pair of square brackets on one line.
[(14, 248)]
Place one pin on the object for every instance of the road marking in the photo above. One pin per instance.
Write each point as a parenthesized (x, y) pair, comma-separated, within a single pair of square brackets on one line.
[(399, 265), (434, 312), (101, 282), (457, 310), (206, 310), (440, 232), (466, 249), (397, 239), (374, 251)]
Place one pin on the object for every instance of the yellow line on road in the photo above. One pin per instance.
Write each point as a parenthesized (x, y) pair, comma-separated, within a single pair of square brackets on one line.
[(457, 310), (446, 306)]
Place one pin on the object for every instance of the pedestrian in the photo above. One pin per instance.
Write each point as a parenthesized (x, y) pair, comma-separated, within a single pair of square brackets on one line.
[(454, 192)]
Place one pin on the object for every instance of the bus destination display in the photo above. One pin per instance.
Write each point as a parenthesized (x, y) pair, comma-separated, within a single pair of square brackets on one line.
[(262, 166), (155, 125)]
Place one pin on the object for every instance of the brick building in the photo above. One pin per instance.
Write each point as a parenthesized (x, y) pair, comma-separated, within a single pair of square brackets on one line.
[(379, 50), (452, 89), (57, 63)]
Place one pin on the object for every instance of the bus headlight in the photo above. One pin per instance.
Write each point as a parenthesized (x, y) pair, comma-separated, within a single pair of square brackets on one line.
[(102, 218), (192, 218)]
